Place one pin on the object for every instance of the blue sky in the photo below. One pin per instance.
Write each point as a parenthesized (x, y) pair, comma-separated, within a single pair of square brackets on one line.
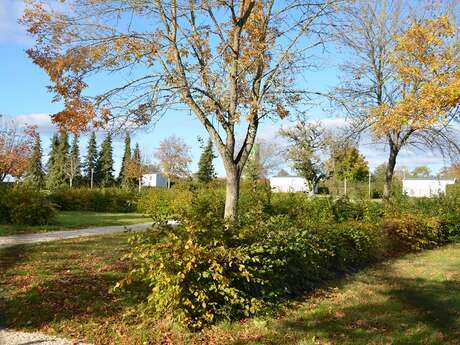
[(24, 97)]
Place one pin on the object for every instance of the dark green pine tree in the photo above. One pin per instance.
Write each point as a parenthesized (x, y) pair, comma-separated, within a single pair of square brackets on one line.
[(51, 164), (136, 165), (104, 166), (58, 164), (91, 158), (35, 174), (74, 163), (63, 158), (206, 171), (123, 179)]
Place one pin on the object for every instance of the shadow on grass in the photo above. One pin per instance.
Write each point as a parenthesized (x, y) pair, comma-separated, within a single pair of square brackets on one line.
[(68, 296), (12, 256), (55, 282), (414, 311)]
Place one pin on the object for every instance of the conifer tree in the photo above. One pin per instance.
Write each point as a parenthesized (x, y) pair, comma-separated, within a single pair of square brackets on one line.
[(206, 171), (104, 165), (137, 164), (123, 178), (58, 163), (135, 168), (51, 164), (74, 164), (35, 174), (63, 157), (91, 158)]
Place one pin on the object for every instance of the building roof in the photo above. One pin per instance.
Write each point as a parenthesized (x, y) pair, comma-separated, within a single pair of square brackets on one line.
[(430, 178)]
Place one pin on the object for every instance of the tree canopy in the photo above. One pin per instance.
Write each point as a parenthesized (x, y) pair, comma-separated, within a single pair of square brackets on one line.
[(232, 63)]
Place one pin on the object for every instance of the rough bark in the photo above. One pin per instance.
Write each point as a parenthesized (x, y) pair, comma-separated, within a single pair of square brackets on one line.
[(387, 187), (232, 192)]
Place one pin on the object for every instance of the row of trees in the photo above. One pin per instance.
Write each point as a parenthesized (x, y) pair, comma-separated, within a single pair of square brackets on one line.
[(65, 167), (312, 152), (237, 63), (21, 156)]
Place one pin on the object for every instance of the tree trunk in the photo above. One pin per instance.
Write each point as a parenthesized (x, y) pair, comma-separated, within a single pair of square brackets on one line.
[(389, 173), (345, 186), (232, 193)]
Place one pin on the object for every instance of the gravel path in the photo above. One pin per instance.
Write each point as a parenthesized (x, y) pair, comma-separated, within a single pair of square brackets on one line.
[(22, 338), (8, 241)]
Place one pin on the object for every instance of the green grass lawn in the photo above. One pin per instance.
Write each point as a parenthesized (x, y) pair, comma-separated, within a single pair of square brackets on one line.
[(77, 220), (63, 287)]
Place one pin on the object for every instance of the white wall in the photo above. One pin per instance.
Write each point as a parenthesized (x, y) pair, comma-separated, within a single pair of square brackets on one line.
[(154, 180), (425, 187), (288, 184)]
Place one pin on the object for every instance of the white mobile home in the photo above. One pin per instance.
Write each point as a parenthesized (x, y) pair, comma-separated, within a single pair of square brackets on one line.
[(288, 184), (154, 180), (426, 186)]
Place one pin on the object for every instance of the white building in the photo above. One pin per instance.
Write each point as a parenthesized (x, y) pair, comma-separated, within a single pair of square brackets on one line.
[(289, 184), (154, 180), (426, 186)]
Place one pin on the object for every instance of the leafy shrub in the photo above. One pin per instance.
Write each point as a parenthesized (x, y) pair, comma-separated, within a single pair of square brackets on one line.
[(23, 205), (196, 271), (354, 244), (450, 223), (453, 190), (204, 270), (157, 204), (98, 200), (4, 208), (413, 233)]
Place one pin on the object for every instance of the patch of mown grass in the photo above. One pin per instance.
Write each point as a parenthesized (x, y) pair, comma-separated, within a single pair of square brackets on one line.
[(63, 287), (67, 220)]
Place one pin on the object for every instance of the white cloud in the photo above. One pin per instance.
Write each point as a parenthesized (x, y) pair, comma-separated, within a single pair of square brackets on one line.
[(10, 30), (41, 120)]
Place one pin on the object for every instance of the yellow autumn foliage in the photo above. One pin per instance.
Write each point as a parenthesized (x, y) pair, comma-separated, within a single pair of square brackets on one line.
[(426, 61)]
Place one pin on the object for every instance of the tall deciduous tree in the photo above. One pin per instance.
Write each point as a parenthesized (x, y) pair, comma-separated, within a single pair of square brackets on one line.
[(452, 171), (35, 174), (91, 158), (421, 171), (206, 172), (122, 177), (426, 63), (15, 148), (306, 143), (348, 164), (232, 63), (103, 173), (266, 158), (373, 85), (174, 157)]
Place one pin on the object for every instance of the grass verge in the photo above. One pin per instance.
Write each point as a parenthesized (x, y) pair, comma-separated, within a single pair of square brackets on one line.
[(412, 300), (77, 220)]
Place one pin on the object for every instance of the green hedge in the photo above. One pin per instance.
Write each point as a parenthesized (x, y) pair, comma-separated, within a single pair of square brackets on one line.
[(23, 205), (205, 270), (98, 199)]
